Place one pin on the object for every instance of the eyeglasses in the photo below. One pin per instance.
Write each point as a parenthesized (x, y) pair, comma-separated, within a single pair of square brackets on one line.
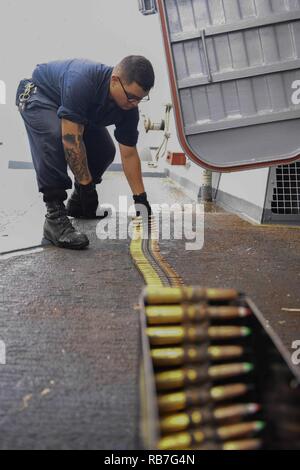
[(132, 98)]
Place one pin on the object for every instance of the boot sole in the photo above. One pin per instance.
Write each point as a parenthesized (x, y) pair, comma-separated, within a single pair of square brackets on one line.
[(81, 216), (93, 217), (75, 215), (68, 247)]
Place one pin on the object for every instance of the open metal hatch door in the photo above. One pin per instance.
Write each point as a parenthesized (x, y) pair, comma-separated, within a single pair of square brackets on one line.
[(234, 73)]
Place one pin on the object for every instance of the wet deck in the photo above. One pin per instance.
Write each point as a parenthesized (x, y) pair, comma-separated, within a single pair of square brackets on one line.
[(71, 326)]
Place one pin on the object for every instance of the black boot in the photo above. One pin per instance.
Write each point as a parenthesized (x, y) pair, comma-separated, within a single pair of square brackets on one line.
[(74, 208), (59, 230), (83, 202)]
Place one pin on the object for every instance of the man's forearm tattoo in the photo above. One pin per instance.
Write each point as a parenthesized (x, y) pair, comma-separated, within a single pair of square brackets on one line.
[(75, 153)]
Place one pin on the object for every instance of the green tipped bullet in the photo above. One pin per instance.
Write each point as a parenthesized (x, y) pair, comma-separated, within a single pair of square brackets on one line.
[(171, 295), (195, 313), (197, 397), (182, 441), (164, 357), (244, 444), (172, 335), (186, 376), (240, 430), (198, 416)]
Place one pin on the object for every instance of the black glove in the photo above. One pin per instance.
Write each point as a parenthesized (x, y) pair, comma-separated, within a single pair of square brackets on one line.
[(88, 199), (141, 200)]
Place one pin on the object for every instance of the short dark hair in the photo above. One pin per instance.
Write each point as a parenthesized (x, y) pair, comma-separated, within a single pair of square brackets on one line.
[(135, 68)]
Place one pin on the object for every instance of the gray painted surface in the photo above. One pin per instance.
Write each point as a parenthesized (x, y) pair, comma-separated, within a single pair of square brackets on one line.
[(241, 207), (17, 165), (235, 63), (186, 183), (216, 180), (230, 202)]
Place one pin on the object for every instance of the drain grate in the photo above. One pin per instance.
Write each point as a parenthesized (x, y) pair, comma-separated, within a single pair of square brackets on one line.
[(286, 194)]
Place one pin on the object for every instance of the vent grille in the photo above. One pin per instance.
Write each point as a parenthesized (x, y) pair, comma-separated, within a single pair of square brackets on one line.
[(286, 195)]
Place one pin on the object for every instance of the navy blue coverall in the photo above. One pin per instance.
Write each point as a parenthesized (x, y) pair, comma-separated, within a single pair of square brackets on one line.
[(76, 90)]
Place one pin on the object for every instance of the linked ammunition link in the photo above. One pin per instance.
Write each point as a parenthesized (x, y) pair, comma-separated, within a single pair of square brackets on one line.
[(146, 255)]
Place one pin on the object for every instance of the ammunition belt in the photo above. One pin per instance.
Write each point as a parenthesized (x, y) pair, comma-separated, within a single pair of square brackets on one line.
[(200, 361), (183, 345)]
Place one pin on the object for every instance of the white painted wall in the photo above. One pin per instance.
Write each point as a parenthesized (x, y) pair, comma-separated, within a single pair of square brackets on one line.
[(247, 185)]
